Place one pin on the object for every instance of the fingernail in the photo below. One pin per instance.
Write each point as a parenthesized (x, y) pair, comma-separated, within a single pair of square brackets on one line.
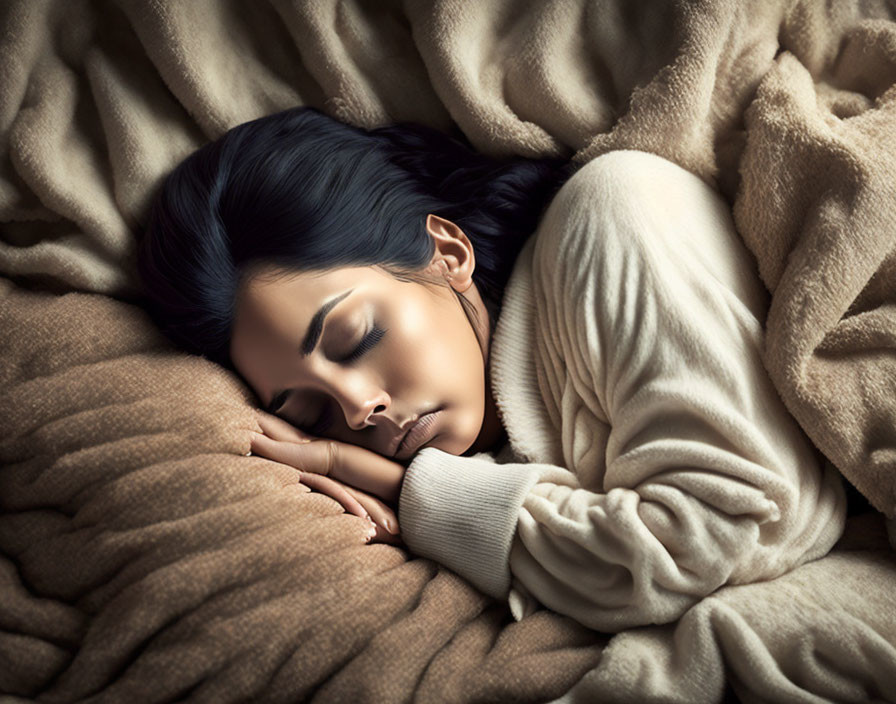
[(390, 526)]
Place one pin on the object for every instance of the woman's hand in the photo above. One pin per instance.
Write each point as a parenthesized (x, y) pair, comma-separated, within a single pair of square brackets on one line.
[(358, 503), (349, 467)]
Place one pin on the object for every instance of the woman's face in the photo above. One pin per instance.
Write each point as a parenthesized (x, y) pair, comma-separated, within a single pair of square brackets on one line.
[(361, 355)]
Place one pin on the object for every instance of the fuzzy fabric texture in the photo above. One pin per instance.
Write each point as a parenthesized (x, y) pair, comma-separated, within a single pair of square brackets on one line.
[(787, 107), (144, 558), (141, 561)]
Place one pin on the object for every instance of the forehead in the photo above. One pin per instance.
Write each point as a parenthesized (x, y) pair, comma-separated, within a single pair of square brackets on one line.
[(265, 295)]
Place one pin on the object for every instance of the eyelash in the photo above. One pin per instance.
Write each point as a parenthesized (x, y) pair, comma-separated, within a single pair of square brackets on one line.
[(368, 342)]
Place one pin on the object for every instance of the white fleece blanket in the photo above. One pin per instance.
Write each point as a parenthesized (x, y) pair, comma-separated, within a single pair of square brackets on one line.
[(788, 107)]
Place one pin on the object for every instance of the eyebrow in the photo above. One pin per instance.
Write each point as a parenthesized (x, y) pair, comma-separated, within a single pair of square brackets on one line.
[(317, 323), (315, 327)]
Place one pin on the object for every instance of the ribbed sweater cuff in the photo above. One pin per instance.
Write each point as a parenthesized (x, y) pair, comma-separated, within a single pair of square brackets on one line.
[(462, 512)]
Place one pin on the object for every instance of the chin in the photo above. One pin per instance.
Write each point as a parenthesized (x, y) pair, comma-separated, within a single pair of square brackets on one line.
[(456, 440), (451, 445), (453, 442), (469, 445)]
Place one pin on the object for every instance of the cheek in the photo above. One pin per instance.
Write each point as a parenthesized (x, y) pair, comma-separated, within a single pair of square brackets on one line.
[(435, 358), (418, 355), (439, 348), (455, 373)]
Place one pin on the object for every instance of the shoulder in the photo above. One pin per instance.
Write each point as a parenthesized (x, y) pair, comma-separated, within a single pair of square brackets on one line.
[(623, 171), (632, 219), (613, 206), (621, 183), (592, 210)]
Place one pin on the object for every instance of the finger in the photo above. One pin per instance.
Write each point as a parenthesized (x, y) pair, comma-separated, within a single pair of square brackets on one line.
[(310, 457), (381, 514), (336, 491), (381, 535), (278, 429)]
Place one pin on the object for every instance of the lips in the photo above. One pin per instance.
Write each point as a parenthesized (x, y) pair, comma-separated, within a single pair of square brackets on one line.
[(418, 433), (405, 427)]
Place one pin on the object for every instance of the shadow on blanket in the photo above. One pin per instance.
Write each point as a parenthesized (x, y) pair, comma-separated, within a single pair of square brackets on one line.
[(142, 557)]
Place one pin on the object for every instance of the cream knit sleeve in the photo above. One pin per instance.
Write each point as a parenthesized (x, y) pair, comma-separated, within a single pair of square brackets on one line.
[(682, 470)]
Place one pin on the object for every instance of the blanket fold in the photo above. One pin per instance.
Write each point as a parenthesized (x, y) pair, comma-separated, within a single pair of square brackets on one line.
[(826, 238), (142, 557)]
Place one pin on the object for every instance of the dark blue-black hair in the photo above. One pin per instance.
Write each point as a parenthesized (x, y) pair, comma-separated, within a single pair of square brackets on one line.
[(301, 191)]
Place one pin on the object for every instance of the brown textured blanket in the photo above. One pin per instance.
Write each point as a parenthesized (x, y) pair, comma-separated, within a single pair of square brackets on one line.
[(143, 558)]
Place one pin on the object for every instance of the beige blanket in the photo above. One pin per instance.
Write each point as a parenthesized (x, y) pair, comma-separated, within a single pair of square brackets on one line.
[(140, 553)]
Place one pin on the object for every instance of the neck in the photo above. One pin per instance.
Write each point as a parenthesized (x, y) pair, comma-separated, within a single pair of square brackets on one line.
[(492, 434)]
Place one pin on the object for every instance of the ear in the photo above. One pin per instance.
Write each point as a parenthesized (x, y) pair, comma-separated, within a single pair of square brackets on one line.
[(453, 258)]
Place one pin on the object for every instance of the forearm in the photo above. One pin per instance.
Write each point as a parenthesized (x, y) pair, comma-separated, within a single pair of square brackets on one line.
[(610, 560), (462, 512)]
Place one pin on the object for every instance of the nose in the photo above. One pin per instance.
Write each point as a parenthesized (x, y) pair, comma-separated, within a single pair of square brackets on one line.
[(360, 400)]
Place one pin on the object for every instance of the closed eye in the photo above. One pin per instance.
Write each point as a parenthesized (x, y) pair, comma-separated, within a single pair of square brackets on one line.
[(368, 342)]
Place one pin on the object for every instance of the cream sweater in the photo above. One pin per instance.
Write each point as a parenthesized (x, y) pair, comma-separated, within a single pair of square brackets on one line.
[(649, 458)]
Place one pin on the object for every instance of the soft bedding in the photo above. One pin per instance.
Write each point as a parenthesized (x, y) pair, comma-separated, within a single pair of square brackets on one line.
[(143, 557)]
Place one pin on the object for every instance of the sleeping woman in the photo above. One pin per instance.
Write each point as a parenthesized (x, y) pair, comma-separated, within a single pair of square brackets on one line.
[(548, 380)]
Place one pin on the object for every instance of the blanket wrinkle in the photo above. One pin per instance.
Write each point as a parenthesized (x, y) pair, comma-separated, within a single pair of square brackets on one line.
[(817, 353), (125, 495)]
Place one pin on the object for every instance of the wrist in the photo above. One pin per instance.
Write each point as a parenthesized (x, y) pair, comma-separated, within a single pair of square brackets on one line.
[(370, 472), (395, 479)]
